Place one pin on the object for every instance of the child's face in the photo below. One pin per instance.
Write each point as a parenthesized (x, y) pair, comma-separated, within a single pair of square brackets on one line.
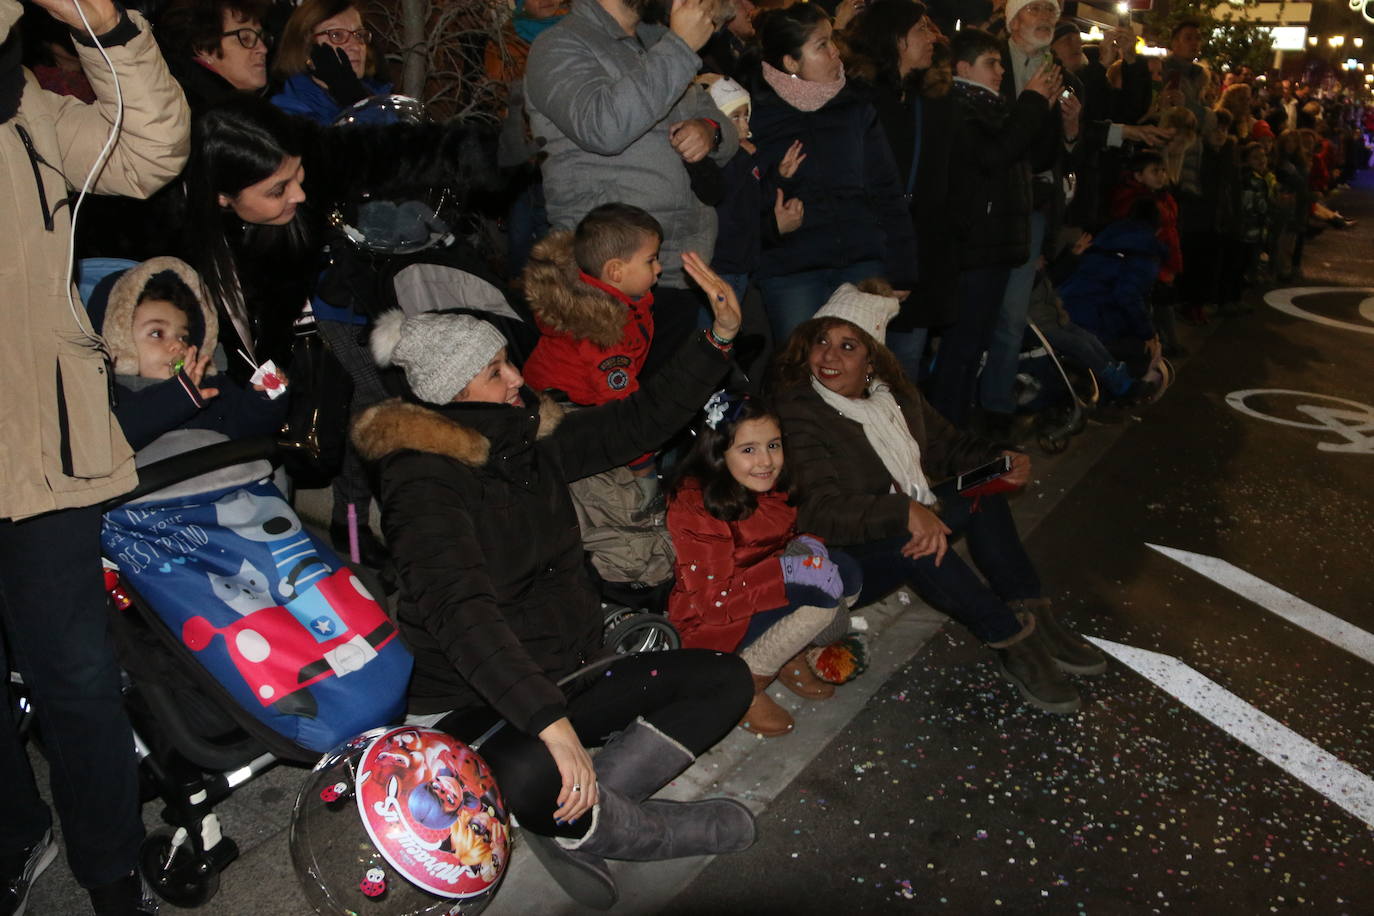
[(1258, 160), (986, 70), (162, 334), (740, 118), (637, 274), (1153, 176), (754, 458)]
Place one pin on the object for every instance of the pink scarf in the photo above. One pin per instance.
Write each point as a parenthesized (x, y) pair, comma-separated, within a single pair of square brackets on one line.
[(803, 95)]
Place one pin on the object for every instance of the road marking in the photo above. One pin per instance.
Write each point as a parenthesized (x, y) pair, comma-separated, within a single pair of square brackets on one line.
[(1329, 775), (1284, 301), (1275, 600), (1350, 425)]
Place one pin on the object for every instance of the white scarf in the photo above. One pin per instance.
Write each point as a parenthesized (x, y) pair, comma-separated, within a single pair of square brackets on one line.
[(886, 430)]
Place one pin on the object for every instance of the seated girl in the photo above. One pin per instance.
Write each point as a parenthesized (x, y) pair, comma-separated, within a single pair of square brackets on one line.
[(162, 337), (746, 582), (864, 447)]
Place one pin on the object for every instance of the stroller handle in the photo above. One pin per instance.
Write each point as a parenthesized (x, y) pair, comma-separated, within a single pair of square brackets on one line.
[(173, 470)]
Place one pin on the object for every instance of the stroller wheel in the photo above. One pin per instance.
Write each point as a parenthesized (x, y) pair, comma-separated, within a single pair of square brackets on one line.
[(632, 633), (177, 874)]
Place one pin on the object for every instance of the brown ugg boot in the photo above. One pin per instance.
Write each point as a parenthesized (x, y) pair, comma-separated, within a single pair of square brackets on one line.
[(798, 677), (764, 716)]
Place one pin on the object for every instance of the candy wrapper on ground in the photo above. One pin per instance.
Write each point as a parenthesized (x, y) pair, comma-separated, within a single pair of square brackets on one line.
[(841, 661)]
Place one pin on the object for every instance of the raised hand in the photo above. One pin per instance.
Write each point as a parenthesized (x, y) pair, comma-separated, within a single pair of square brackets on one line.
[(719, 295), (691, 21), (788, 213), (791, 160)]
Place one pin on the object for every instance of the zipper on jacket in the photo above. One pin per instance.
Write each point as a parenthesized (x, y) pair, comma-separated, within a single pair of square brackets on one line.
[(36, 160)]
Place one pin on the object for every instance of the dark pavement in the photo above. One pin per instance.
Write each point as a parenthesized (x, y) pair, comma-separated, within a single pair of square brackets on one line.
[(947, 795)]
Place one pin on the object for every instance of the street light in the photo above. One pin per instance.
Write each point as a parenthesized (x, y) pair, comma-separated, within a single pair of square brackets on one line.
[(1336, 41), (1359, 42), (1312, 41)]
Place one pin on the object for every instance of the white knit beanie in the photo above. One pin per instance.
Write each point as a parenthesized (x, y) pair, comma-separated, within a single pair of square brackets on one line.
[(728, 95), (440, 353), (1015, 6), (863, 310)]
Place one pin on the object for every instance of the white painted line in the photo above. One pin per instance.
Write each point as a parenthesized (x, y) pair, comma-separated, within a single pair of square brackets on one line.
[(1275, 600), (1285, 300), (1332, 777)]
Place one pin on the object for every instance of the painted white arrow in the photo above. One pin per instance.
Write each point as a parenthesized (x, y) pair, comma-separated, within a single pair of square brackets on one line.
[(1275, 600), (1332, 777)]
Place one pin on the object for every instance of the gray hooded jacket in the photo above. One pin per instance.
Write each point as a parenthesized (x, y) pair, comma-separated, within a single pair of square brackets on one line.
[(600, 103)]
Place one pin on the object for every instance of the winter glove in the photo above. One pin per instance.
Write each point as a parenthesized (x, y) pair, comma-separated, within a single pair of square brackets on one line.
[(804, 544), (812, 572), (331, 66)]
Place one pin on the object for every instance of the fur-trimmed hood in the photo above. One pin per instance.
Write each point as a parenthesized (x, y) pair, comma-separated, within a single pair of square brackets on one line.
[(562, 302), (395, 426), (118, 325)]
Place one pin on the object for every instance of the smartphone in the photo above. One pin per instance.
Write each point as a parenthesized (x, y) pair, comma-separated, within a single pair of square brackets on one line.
[(983, 473), (1066, 94)]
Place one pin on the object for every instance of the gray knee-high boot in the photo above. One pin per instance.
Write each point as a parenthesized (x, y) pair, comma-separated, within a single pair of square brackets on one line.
[(637, 763), (657, 830)]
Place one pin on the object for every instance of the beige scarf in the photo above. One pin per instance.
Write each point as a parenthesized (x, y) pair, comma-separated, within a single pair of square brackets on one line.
[(886, 430)]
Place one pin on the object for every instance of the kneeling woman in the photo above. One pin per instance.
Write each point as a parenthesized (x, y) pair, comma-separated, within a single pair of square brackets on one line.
[(863, 446), (498, 608), (746, 582)]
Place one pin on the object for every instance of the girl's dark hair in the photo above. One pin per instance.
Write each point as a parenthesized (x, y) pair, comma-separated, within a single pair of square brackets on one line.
[(722, 495), (874, 34), (168, 287), (782, 32), (235, 144)]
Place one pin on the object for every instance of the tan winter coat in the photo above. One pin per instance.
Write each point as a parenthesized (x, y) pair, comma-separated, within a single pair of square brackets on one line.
[(563, 303), (61, 445)]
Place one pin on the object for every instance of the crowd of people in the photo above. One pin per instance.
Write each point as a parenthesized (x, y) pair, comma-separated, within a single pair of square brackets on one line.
[(814, 237)]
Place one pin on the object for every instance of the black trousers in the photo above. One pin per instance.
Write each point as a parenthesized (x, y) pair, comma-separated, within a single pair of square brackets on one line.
[(695, 696), (56, 634)]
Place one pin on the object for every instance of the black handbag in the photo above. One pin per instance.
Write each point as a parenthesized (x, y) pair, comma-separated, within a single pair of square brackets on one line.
[(315, 436)]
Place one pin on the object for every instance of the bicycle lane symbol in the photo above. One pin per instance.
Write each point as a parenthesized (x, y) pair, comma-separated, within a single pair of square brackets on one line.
[(1352, 421), (1286, 301)]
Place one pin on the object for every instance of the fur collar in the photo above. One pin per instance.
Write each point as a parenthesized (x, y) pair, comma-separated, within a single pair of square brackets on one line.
[(562, 303), (395, 425), (118, 326)]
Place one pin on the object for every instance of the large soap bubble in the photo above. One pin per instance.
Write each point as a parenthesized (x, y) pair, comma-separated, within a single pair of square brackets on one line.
[(400, 822)]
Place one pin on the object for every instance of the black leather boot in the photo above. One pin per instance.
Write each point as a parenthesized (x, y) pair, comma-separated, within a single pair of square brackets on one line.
[(1025, 661), (1071, 652)]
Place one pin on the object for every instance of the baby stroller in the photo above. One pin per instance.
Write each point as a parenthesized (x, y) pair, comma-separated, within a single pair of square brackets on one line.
[(244, 642)]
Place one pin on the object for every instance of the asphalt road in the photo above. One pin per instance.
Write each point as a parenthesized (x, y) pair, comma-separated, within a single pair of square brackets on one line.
[(947, 795)]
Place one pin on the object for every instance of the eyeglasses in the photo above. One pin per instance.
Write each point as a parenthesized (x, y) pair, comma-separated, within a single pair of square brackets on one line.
[(248, 38), (341, 36)]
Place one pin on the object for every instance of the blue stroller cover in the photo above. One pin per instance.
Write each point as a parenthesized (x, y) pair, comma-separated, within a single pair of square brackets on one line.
[(266, 608)]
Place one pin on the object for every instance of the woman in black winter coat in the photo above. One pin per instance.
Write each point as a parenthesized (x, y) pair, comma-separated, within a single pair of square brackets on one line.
[(499, 610), (892, 46), (857, 225)]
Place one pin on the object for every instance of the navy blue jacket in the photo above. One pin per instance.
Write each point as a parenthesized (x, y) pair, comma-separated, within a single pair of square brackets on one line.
[(848, 184), (741, 219), (146, 413), (1109, 292)]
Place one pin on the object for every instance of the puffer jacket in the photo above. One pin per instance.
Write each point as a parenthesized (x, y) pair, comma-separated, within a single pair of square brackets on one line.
[(846, 491), (990, 175), (600, 104), (726, 571), (593, 342), (1109, 292), (62, 446), (848, 184), (495, 601), (301, 95)]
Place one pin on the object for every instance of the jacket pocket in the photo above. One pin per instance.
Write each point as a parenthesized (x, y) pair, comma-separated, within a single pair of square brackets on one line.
[(85, 440)]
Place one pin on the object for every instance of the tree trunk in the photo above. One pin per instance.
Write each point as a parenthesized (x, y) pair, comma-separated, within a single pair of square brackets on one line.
[(415, 51)]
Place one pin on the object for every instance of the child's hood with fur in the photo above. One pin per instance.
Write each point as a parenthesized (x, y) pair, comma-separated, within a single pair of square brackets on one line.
[(118, 326), (562, 302)]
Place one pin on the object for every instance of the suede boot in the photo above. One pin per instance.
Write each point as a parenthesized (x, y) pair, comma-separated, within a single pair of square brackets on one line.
[(584, 876), (1026, 662), (764, 716), (640, 760), (798, 677), (658, 830), (1071, 652)]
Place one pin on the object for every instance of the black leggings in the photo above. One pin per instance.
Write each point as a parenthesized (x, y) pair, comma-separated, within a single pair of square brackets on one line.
[(695, 696)]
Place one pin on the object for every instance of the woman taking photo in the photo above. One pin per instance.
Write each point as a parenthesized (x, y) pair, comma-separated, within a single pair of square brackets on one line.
[(891, 47), (498, 608), (326, 61), (857, 225), (865, 448)]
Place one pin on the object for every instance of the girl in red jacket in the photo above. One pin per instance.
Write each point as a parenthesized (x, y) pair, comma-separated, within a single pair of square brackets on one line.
[(747, 582)]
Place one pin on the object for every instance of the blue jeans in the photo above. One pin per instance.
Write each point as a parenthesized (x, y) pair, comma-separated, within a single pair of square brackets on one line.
[(793, 298), (952, 587), (909, 347), (979, 293), (1004, 350)]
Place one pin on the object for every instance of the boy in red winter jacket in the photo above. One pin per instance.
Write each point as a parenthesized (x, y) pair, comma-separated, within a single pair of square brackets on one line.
[(1147, 177)]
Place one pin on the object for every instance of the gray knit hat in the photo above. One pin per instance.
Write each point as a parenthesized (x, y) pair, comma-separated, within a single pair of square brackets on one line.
[(440, 353)]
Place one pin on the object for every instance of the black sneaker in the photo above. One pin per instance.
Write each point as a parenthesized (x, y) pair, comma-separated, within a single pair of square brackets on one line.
[(20, 870), (125, 897)]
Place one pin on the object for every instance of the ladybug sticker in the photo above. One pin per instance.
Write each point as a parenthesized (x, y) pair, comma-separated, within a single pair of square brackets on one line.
[(334, 792), (373, 883)]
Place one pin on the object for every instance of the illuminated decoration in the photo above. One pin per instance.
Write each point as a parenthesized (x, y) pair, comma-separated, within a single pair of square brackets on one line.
[(1361, 7), (1290, 37)]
